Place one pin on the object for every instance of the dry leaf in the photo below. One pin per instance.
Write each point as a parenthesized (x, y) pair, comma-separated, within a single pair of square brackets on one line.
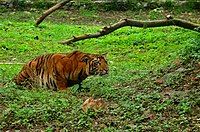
[(94, 104)]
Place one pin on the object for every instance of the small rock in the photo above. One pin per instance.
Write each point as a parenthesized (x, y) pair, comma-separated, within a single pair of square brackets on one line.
[(159, 81), (27, 13), (180, 69)]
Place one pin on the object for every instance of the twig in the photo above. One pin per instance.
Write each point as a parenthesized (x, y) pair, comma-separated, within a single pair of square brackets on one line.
[(8, 63)]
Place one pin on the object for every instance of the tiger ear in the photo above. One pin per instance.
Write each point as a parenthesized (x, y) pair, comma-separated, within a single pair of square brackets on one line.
[(85, 59)]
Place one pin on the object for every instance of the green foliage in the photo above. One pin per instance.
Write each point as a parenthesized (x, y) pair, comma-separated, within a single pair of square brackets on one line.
[(192, 51), (106, 5), (134, 101)]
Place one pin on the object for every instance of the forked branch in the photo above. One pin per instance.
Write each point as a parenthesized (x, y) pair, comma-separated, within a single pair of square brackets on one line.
[(50, 10), (128, 22)]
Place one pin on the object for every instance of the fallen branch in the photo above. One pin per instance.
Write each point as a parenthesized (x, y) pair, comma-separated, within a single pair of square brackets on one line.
[(128, 22), (50, 10)]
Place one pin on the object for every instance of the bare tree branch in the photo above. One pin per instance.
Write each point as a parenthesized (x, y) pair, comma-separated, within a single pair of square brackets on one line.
[(128, 22), (50, 10)]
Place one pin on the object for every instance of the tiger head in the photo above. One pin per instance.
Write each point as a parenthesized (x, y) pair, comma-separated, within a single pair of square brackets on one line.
[(95, 64)]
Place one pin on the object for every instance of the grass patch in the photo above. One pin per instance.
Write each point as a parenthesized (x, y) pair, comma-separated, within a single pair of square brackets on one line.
[(136, 57)]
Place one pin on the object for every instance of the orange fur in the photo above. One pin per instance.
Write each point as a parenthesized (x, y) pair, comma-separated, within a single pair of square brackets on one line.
[(59, 71)]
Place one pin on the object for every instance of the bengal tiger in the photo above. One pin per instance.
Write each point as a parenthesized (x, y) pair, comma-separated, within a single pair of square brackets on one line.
[(59, 71)]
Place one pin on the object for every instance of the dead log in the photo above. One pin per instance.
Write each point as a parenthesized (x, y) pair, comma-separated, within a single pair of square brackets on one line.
[(144, 24), (50, 10)]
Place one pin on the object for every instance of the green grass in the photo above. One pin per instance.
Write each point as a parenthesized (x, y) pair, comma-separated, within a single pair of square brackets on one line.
[(134, 101)]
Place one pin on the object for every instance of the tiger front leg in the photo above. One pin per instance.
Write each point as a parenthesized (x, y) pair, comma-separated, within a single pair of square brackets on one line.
[(62, 85)]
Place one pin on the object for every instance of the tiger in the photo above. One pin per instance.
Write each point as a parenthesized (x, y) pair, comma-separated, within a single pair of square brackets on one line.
[(58, 71)]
